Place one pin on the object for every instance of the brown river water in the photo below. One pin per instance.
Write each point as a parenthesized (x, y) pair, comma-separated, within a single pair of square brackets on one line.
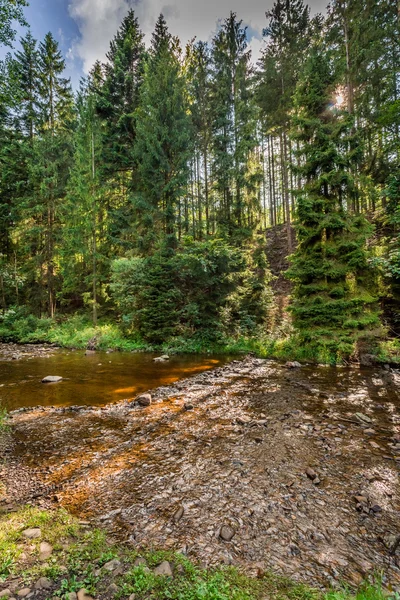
[(94, 379), (168, 477)]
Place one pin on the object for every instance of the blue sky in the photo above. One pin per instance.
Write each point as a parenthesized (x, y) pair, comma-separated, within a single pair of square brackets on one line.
[(84, 28)]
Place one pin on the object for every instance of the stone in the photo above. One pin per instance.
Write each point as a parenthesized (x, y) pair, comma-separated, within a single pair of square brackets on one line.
[(376, 508), (226, 533), (72, 596), (311, 474), (178, 514), (163, 569), (42, 584), (292, 364), (112, 565), (188, 406), (32, 534), (24, 592), (45, 550), (162, 358), (361, 499), (132, 597), (83, 595), (144, 399), (112, 589), (89, 352), (139, 561), (243, 420), (5, 593), (51, 379), (363, 418)]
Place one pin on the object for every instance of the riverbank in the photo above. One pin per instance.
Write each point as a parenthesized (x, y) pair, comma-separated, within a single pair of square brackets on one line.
[(77, 332), (47, 554), (299, 464)]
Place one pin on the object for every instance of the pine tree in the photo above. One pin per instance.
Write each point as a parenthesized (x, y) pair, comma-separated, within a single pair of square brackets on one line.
[(332, 308), (10, 11), (163, 142), (27, 70)]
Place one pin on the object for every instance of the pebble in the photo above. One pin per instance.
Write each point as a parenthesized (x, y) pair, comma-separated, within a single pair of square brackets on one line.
[(144, 399), (311, 474), (188, 406), (33, 533), (42, 584), (163, 569), (83, 595), (226, 533), (112, 589), (112, 565), (178, 514), (46, 551)]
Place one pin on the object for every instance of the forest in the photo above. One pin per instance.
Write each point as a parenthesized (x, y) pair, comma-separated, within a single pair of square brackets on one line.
[(135, 211)]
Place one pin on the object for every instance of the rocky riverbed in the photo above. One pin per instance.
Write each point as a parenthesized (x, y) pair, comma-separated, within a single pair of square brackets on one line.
[(253, 464)]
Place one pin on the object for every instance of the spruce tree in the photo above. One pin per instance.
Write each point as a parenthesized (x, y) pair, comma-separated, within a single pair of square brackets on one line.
[(27, 70), (163, 142), (332, 308)]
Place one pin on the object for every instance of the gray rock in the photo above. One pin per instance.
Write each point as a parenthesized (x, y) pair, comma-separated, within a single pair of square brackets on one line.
[(5, 593), (32, 534), (144, 399), (112, 565), (293, 365), (363, 418), (42, 584), (112, 589), (164, 569), (226, 533), (311, 474), (178, 514), (188, 406), (162, 358), (24, 592), (46, 551), (51, 379), (72, 596)]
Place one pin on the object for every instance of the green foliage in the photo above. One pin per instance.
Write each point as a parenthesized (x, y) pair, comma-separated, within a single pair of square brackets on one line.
[(10, 11), (205, 289), (333, 307)]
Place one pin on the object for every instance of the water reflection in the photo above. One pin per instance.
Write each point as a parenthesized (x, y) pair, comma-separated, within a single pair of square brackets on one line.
[(96, 379)]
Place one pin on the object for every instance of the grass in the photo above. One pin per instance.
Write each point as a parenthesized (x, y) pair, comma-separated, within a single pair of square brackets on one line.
[(78, 332), (80, 553)]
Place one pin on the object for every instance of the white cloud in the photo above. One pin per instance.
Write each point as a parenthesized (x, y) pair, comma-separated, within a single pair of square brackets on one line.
[(98, 20)]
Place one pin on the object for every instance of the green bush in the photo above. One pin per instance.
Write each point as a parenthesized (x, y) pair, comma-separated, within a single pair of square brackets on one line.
[(204, 290)]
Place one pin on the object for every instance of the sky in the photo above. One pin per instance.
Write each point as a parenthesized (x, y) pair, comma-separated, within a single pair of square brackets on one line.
[(84, 28)]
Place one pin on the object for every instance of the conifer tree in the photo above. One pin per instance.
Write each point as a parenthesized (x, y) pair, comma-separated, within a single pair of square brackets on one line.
[(27, 71), (163, 141), (332, 307)]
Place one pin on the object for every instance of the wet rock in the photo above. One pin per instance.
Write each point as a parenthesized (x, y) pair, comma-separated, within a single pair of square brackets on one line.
[(226, 533), (51, 379), (42, 584), (24, 592), (178, 514), (32, 534), (162, 358), (143, 400), (112, 565), (90, 352), (46, 551), (376, 508), (83, 595), (292, 364), (5, 593), (164, 569), (188, 406)]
